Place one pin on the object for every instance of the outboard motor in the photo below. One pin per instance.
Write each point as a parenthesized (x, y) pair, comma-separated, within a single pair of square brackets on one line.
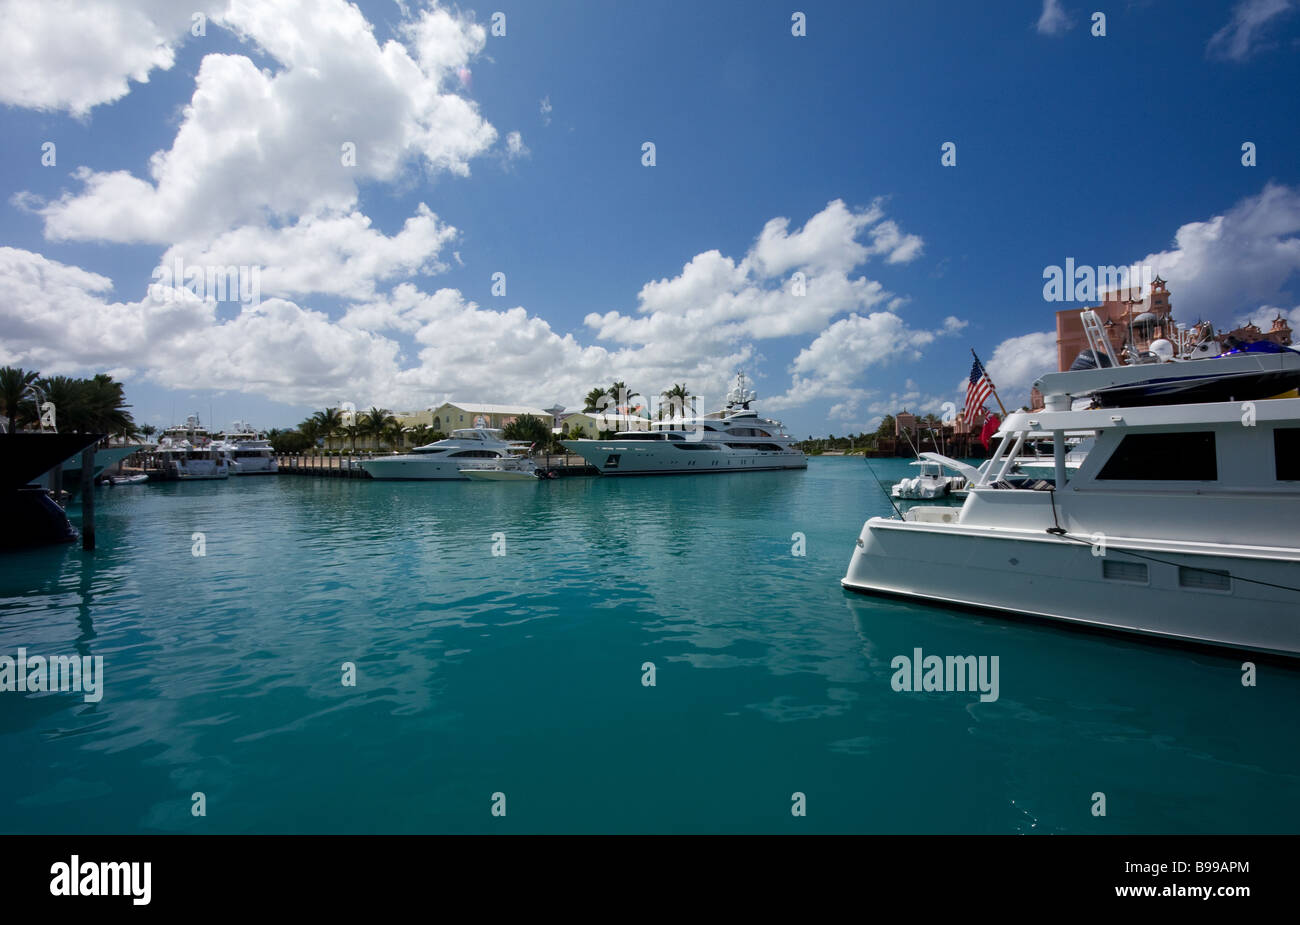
[(1090, 359)]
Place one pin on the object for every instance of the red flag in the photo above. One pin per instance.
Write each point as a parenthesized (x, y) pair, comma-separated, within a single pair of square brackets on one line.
[(991, 425)]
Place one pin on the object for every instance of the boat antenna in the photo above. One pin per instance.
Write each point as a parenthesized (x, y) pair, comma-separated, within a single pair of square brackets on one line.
[(915, 451), (880, 485)]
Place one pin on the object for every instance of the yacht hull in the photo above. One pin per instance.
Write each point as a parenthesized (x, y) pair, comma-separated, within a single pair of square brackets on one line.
[(499, 475), (248, 467), (415, 469), (644, 457), (1050, 577)]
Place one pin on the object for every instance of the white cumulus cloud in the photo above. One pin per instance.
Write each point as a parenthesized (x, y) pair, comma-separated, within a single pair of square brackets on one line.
[(254, 145)]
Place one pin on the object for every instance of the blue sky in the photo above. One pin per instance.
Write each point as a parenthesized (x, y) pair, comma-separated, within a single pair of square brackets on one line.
[(376, 280)]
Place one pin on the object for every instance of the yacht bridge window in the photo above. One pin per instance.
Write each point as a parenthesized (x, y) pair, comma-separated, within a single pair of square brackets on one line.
[(1180, 457)]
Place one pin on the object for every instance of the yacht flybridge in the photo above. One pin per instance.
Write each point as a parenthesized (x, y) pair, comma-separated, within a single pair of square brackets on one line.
[(470, 448), (734, 439), (1179, 522)]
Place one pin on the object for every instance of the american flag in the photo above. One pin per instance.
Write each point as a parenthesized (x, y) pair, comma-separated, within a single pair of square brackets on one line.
[(978, 390)]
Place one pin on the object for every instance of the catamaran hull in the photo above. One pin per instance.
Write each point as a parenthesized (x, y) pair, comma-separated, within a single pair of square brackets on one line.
[(644, 457), (1061, 579)]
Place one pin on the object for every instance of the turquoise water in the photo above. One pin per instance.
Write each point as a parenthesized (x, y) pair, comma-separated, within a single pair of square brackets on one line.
[(522, 674)]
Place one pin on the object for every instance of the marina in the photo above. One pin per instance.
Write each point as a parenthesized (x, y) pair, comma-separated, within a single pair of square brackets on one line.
[(672, 419), (788, 681)]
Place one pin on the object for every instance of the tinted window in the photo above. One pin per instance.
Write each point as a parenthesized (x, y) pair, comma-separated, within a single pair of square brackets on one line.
[(1286, 453), (1163, 458)]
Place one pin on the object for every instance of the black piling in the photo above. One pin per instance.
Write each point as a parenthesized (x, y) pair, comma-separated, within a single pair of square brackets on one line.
[(88, 498)]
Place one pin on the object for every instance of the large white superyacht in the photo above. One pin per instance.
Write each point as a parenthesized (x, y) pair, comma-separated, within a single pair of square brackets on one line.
[(1180, 521), (734, 439), (468, 448)]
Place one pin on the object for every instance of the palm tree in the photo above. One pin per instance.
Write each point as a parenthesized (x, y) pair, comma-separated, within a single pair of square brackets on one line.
[(351, 432), (64, 393), (104, 403), (393, 434), (675, 399), (310, 430), (528, 427), (622, 395), (595, 400), (328, 423), (375, 422), (15, 388), (148, 430), (420, 434), (96, 405), (577, 432)]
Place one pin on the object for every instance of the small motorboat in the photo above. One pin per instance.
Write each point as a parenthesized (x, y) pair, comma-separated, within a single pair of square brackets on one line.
[(930, 485), (511, 469), (128, 479), (498, 475)]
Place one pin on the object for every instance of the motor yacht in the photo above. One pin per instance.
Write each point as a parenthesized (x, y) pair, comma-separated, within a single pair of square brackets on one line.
[(469, 448), (250, 453), (1178, 522), (188, 452), (189, 462), (734, 439)]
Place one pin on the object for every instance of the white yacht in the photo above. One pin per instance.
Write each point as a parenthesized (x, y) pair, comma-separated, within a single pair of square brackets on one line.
[(250, 452), (1179, 522), (189, 462), (189, 452), (470, 448), (735, 439)]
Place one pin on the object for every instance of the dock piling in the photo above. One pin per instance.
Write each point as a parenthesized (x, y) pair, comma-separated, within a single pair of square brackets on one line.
[(88, 499)]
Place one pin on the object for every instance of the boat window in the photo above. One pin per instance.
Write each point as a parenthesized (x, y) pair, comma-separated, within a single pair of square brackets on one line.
[(1118, 570), (695, 446), (1286, 453), (1204, 579), (1180, 457), (767, 447), (476, 454)]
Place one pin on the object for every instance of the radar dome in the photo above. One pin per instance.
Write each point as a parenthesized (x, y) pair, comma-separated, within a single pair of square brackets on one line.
[(1163, 349)]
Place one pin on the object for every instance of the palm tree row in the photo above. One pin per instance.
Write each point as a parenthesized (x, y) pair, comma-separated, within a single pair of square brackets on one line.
[(618, 395), (377, 423), (95, 405)]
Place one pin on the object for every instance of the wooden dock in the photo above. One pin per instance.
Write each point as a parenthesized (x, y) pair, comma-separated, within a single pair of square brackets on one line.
[(349, 467), (327, 467)]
